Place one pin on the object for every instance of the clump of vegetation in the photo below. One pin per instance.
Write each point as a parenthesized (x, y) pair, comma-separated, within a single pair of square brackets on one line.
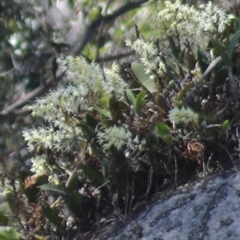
[(113, 137)]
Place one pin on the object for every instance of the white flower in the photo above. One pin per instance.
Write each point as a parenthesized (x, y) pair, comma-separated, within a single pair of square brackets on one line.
[(53, 178), (48, 138), (90, 83), (39, 164), (148, 54), (189, 21), (184, 115), (114, 136), (114, 82), (143, 48), (81, 73), (89, 86)]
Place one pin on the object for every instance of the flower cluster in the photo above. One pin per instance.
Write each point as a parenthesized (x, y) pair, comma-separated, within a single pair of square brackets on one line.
[(190, 22), (39, 164), (148, 54), (79, 72), (86, 87), (114, 136), (89, 84), (48, 138), (63, 100), (212, 18), (113, 82), (184, 115)]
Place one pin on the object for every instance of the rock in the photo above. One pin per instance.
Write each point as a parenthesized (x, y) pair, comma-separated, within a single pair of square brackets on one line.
[(206, 209)]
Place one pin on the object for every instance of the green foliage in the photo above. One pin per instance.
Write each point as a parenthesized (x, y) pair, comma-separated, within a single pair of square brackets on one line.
[(110, 139), (7, 233), (53, 188), (3, 219), (224, 127), (91, 173), (163, 131), (137, 102), (145, 79), (51, 214)]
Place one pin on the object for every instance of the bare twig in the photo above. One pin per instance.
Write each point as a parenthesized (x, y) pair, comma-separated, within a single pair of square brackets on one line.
[(36, 92), (7, 72), (10, 111), (101, 29), (92, 30)]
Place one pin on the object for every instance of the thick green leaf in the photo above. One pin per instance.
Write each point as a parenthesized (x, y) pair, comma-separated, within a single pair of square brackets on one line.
[(88, 132), (72, 182), (182, 94), (113, 103), (131, 97), (173, 47), (234, 40), (140, 101), (53, 188), (124, 106), (191, 60), (52, 214), (73, 201), (9, 233), (91, 121), (104, 112), (94, 151), (9, 196), (143, 77), (104, 101), (163, 131), (237, 24), (202, 60), (114, 108), (221, 50), (224, 127), (170, 86), (220, 78), (3, 219), (91, 173), (182, 54)]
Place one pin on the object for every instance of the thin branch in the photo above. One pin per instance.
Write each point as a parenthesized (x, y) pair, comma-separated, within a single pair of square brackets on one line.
[(90, 33), (7, 72), (92, 30), (36, 92), (100, 31)]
